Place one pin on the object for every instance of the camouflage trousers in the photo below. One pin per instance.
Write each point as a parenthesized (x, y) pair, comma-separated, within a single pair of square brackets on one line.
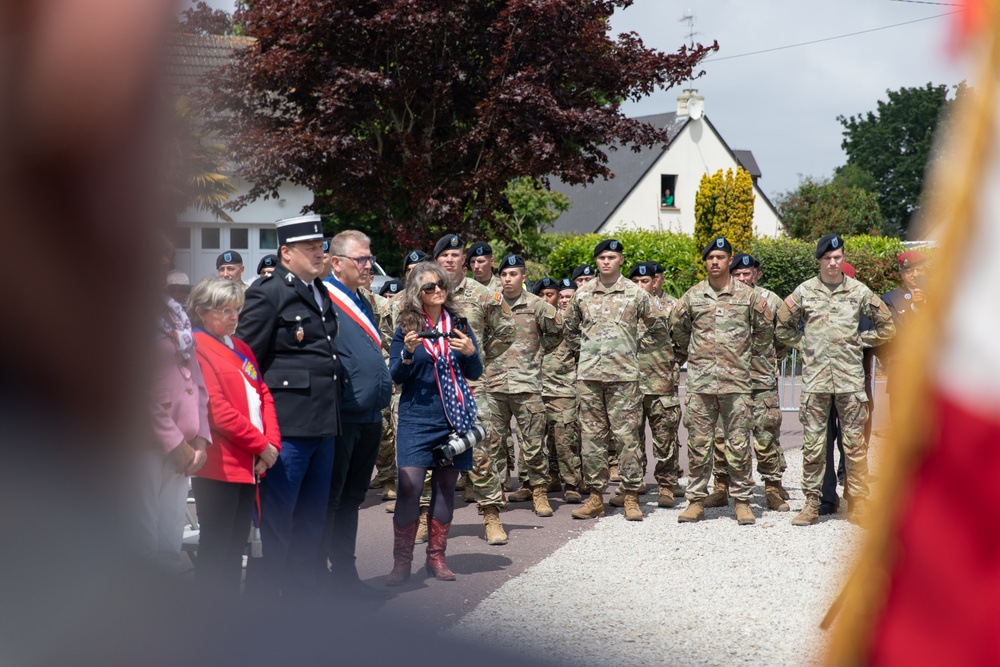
[(609, 413), (735, 413), (562, 433), (663, 414), (507, 455), (484, 477), (852, 409), (766, 433), (385, 463), (528, 411)]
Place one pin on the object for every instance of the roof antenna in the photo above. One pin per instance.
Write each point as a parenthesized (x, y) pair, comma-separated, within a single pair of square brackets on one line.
[(689, 19)]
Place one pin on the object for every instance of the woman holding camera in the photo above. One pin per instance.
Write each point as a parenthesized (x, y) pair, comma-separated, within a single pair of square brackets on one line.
[(430, 357)]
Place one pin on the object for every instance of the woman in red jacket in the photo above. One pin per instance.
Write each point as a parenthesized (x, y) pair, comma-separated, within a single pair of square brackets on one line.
[(244, 430)]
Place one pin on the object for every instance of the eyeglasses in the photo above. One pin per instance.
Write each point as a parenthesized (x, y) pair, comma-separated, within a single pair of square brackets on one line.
[(227, 312), (430, 288), (361, 261)]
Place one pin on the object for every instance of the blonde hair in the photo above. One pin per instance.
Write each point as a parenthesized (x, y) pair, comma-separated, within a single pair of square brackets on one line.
[(211, 294)]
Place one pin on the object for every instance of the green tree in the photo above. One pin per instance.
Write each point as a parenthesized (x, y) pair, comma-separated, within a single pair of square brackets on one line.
[(894, 144), (723, 206), (528, 209), (819, 207)]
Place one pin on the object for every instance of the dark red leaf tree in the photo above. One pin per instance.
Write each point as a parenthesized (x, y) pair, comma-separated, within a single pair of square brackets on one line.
[(422, 111)]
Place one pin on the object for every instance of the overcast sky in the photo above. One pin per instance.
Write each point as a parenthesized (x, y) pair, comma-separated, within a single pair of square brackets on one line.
[(783, 105)]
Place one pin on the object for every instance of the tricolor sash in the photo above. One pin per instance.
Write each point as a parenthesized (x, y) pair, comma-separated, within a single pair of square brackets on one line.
[(347, 305)]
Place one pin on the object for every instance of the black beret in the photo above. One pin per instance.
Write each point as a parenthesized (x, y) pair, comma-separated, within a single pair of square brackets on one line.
[(478, 249), (414, 257), (326, 245), (741, 260), (658, 268), (613, 245), (544, 283), (228, 257), (390, 287), (828, 243), (582, 270), (448, 242), (566, 283), (718, 243), (642, 269), (266, 262), (511, 262)]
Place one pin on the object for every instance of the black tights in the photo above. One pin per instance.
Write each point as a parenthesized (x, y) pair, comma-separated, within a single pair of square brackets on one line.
[(410, 485)]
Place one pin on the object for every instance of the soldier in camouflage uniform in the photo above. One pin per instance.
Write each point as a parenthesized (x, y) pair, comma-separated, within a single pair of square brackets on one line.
[(766, 408), (718, 326), (479, 260), (832, 372), (493, 323), (514, 379), (659, 375), (602, 325)]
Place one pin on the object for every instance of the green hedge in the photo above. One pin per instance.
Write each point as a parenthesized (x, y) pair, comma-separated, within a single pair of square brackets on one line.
[(673, 250), (786, 262)]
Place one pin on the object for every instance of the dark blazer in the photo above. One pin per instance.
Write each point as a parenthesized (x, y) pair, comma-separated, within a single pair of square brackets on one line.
[(294, 341)]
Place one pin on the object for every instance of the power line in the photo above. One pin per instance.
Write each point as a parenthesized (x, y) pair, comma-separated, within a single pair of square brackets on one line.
[(828, 39), (927, 2)]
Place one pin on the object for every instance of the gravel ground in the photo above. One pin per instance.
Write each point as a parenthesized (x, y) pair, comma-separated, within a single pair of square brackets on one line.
[(663, 593)]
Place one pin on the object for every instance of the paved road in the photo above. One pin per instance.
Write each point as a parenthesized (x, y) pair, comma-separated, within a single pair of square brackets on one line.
[(482, 569)]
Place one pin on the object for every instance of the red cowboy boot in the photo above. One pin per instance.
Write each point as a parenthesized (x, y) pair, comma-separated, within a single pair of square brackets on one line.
[(437, 540), (402, 553)]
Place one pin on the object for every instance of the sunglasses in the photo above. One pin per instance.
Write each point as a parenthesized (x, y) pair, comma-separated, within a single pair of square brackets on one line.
[(430, 288)]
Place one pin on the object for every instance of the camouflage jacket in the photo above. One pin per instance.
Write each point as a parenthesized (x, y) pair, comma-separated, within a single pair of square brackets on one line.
[(603, 327), (719, 334), (493, 285), (831, 343), (490, 319), (518, 369), (764, 367), (559, 372), (659, 372)]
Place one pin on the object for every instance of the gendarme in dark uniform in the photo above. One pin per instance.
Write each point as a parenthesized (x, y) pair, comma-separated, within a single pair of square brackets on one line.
[(289, 323)]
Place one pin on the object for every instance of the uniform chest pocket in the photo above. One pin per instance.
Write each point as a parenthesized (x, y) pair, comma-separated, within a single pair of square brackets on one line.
[(626, 312), (294, 322)]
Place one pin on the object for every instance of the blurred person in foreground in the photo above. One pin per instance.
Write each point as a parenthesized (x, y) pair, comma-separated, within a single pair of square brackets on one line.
[(180, 432), (904, 302), (244, 433), (435, 403)]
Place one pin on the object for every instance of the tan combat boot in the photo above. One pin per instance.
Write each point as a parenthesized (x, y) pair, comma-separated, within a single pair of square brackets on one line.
[(678, 490), (572, 496), (857, 509), (469, 494), (463, 482), (390, 507), (593, 508), (618, 499), (374, 484), (744, 515), (632, 511), (389, 491), (555, 486), (695, 511), (495, 533), (772, 494), (665, 498), (809, 514), (615, 476), (422, 525), (540, 497), (522, 495), (719, 497)]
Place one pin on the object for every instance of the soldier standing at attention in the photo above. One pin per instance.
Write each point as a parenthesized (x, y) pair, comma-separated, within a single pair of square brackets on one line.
[(603, 326), (718, 326), (493, 324), (582, 274), (514, 380), (659, 375), (479, 259), (766, 408), (832, 373), (562, 421)]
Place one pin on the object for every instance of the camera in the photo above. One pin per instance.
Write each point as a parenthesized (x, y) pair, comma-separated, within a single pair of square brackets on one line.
[(460, 324), (430, 333), (444, 454)]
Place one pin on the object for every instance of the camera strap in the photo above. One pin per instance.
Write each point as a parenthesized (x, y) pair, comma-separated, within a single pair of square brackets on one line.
[(459, 405)]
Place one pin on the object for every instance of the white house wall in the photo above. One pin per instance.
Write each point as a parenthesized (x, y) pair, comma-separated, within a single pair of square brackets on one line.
[(198, 260), (697, 150)]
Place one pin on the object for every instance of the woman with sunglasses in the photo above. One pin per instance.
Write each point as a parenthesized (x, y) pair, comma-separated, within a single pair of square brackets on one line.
[(435, 402), (244, 432)]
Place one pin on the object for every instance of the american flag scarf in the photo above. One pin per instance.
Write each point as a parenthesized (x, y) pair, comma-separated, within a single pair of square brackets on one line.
[(459, 404)]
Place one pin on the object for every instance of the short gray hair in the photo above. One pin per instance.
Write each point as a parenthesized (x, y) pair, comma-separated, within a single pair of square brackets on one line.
[(338, 244), (213, 293)]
